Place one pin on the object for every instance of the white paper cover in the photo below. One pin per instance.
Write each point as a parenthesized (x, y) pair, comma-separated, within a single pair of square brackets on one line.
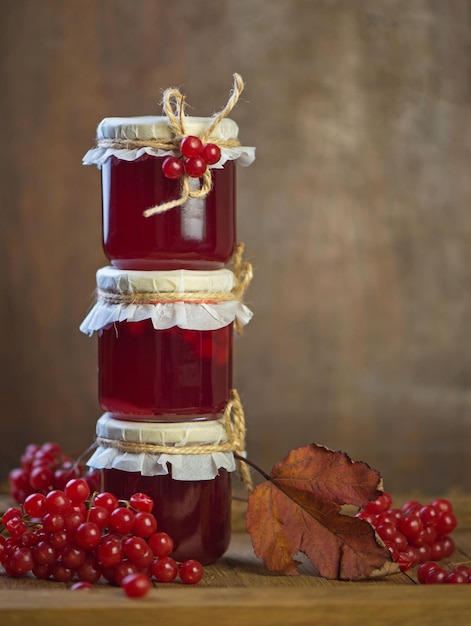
[(157, 128), (186, 315), (183, 466)]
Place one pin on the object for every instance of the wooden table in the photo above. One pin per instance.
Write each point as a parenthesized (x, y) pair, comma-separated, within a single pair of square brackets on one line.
[(239, 591)]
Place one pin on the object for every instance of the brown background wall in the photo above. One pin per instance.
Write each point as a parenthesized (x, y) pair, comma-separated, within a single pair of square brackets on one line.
[(355, 214)]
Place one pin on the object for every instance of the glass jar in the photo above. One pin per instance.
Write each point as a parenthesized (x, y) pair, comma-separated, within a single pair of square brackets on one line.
[(171, 373), (191, 493), (165, 342), (200, 234)]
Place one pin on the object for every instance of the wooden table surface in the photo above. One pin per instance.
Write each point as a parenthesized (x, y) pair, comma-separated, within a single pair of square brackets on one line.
[(239, 591)]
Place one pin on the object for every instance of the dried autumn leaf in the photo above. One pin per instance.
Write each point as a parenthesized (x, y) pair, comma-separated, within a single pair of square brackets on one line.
[(298, 510)]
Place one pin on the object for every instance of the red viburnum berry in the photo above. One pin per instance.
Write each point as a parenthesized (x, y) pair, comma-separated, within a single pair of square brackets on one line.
[(172, 168)]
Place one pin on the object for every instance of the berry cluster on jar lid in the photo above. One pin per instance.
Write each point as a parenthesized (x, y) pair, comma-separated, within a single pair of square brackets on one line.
[(194, 161)]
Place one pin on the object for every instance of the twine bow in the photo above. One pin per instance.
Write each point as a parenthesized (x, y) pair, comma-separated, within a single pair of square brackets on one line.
[(174, 108)]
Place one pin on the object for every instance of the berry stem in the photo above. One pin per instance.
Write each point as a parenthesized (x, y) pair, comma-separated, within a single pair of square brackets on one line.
[(83, 455), (454, 564), (252, 465)]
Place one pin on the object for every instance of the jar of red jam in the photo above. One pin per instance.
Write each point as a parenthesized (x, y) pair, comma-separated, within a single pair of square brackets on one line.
[(191, 492), (165, 342), (201, 233)]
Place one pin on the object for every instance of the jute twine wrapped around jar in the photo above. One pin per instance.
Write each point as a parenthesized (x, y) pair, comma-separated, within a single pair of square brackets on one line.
[(243, 274), (234, 426)]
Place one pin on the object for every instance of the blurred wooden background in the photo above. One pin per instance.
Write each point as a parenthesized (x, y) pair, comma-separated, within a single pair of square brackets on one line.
[(356, 214)]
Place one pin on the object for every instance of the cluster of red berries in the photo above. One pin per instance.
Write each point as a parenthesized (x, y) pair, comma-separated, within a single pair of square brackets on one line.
[(431, 573), (44, 468), (66, 534), (196, 157), (415, 534)]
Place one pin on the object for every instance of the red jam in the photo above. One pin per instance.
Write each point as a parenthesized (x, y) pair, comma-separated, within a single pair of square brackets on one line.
[(198, 235), (164, 375), (196, 514)]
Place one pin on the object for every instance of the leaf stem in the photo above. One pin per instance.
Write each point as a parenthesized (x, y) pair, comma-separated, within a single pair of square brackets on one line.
[(252, 465)]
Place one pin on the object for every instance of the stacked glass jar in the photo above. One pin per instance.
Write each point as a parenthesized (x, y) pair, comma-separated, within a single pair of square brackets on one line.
[(165, 314)]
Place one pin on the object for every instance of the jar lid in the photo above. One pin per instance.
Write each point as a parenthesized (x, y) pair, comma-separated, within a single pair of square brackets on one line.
[(194, 299), (187, 467), (153, 281), (166, 433), (157, 128)]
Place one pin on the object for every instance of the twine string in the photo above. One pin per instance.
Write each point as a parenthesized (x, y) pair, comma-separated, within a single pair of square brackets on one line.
[(233, 98), (163, 297), (158, 144), (235, 418), (174, 103), (243, 272), (234, 427)]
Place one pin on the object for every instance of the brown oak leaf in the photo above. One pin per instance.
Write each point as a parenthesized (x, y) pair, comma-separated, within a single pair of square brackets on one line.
[(299, 510)]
